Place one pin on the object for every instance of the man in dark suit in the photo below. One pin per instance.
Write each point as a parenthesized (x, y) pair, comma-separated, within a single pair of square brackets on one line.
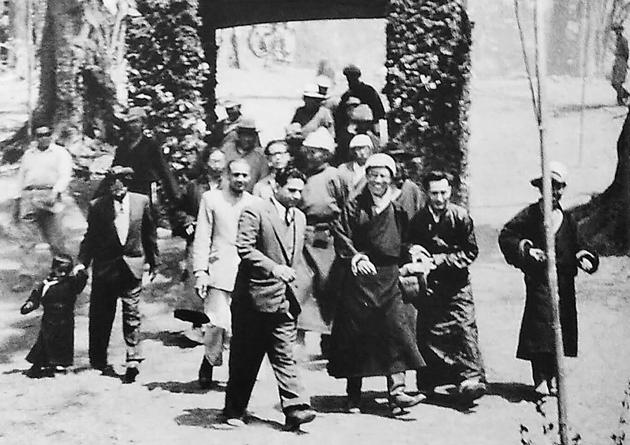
[(120, 238), (271, 281)]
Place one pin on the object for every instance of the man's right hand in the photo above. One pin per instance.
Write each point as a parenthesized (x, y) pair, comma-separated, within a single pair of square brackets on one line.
[(202, 284), (537, 255), (284, 273)]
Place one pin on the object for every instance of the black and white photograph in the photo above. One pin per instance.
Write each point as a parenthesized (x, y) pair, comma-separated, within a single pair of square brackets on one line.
[(314, 222)]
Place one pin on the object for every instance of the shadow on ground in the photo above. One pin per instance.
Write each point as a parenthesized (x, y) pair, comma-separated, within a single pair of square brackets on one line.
[(191, 387), (213, 418)]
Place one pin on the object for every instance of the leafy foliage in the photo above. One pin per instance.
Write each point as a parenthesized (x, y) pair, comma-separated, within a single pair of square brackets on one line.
[(428, 69), (167, 71)]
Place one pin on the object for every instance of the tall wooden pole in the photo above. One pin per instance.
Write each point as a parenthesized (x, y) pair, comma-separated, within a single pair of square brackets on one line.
[(552, 276), (586, 32), (29, 67)]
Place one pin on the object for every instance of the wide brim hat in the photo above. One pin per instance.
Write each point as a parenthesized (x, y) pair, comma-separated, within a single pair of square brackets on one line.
[(312, 91), (119, 172), (247, 124), (558, 174)]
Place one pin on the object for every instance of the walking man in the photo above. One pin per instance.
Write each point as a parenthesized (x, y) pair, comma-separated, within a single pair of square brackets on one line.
[(266, 302), (120, 238), (522, 242), (215, 261), (446, 327), (44, 176), (246, 146)]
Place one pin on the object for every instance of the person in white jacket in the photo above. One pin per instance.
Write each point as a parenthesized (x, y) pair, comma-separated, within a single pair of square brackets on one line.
[(215, 261)]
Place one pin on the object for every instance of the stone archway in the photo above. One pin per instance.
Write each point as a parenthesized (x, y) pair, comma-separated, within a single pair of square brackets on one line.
[(428, 67)]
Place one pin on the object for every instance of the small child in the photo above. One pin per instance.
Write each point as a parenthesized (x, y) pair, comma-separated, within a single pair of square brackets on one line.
[(54, 349)]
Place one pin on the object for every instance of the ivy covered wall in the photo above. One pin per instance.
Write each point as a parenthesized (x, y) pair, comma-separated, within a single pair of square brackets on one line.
[(167, 73), (428, 70)]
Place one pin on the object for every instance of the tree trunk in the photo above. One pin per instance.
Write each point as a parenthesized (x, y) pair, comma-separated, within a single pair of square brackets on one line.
[(59, 89), (604, 222)]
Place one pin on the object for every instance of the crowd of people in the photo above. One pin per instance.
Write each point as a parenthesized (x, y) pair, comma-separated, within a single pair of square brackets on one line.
[(319, 232)]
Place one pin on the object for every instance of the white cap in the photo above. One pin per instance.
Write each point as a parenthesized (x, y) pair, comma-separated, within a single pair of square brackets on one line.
[(361, 140), (320, 138), (381, 160), (558, 172)]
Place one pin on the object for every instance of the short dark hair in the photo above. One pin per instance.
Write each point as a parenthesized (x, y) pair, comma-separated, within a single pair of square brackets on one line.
[(275, 142), (436, 175), (283, 176)]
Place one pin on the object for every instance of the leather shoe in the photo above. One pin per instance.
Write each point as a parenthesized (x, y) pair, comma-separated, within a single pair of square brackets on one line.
[(399, 402), (472, 389), (297, 415), (205, 375), (130, 375)]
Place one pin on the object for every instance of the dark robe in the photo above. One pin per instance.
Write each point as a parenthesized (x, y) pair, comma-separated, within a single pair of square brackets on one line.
[(55, 342), (371, 334), (149, 166), (536, 335), (323, 199), (446, 327)]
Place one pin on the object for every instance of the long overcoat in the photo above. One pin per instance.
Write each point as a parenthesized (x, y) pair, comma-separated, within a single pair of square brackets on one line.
[(536, 335), (55, 342), (372, 334)]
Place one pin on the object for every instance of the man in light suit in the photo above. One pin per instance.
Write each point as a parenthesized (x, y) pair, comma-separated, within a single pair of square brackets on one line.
[(120, 238), (271, 279), (215, 261)]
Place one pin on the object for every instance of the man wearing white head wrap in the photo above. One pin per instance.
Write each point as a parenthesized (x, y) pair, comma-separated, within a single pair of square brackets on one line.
[(372, 335), (361, 147), (323, 197)]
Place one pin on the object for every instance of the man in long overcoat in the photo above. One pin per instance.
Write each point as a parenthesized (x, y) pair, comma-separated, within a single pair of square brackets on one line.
[(446, 326), (372, 334), (522, 242)]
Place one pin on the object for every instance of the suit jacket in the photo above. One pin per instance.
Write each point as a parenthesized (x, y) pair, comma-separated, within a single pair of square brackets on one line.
[(102, 246), (214, 245), (264, 241)]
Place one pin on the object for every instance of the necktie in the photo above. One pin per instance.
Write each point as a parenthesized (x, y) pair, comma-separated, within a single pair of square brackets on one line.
[(288, 216)]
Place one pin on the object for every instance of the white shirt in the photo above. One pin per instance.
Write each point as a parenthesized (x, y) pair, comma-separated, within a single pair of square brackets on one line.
[(286, 214), (46, 168), (121, 219)]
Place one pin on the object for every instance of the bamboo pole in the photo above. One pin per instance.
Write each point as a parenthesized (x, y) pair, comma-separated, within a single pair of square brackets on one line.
[(29, 68), (586, 32), (550, 247)]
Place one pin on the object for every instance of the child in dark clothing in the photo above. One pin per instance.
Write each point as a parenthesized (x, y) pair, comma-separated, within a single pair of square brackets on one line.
[(54, 349)]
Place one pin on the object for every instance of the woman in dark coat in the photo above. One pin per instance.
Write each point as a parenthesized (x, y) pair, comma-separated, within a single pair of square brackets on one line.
[(522, 242), (371, 334), (54, 348)]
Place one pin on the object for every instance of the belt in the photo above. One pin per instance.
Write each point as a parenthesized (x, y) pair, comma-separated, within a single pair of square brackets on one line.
[(38, 187)]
